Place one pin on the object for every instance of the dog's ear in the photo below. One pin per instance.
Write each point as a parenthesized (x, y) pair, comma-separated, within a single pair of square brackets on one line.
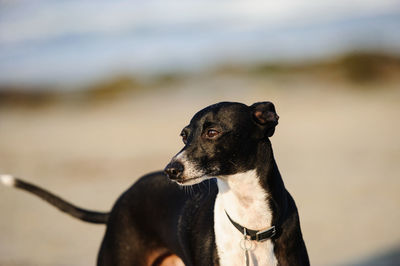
[(265, 116)]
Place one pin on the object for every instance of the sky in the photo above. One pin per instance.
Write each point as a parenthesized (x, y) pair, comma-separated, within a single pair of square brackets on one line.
[(57, 42)]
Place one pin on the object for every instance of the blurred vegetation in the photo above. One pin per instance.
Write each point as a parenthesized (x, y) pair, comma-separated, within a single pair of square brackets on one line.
[(358, 68), (112, 88), (363, 67), (28, 97)]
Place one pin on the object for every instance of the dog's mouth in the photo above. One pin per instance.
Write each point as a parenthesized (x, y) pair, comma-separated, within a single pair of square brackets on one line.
[(185, 180), (190, 181)]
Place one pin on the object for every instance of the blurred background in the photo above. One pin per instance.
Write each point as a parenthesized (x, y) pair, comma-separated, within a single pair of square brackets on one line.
[(93, 94)]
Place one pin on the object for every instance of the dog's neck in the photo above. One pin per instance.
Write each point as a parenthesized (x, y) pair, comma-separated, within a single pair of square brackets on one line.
[(245, 200), (256, 198)]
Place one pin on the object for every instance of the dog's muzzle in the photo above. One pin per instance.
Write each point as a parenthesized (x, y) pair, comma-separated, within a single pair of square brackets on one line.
[(174, 170)]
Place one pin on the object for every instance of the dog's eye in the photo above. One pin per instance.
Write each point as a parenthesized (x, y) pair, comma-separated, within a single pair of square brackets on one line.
[(184, 137), (212, 133)]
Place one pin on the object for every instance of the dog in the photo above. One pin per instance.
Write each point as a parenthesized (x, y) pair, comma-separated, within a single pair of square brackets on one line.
[(235, 212)]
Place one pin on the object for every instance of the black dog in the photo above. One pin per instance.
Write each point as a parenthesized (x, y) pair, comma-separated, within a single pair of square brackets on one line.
[(243, 217)]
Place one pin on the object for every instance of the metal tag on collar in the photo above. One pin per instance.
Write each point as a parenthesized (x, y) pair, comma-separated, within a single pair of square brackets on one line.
[(259, 234), (246, 249)]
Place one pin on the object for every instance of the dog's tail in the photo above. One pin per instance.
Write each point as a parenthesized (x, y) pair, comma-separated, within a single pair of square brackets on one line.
[(59, 203)]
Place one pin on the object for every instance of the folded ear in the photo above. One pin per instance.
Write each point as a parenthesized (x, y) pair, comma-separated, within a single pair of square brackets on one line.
[(265, 116)]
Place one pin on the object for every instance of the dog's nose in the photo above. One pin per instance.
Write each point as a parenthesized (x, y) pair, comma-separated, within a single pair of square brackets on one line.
[(174, 170)]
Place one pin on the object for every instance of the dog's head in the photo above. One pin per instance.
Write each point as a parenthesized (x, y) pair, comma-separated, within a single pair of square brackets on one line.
[(222, 139)]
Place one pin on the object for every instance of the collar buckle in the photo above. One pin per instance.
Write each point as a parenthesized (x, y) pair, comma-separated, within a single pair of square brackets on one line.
[(264, 235)]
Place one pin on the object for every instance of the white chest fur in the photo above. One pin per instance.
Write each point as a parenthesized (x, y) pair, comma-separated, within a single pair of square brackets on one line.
[(245, 200)]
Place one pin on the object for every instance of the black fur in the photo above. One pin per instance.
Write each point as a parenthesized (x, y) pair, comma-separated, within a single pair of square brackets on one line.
[(137, 227)]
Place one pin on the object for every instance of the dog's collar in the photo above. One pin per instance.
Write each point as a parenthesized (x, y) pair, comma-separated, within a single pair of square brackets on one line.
[(260, 235)]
